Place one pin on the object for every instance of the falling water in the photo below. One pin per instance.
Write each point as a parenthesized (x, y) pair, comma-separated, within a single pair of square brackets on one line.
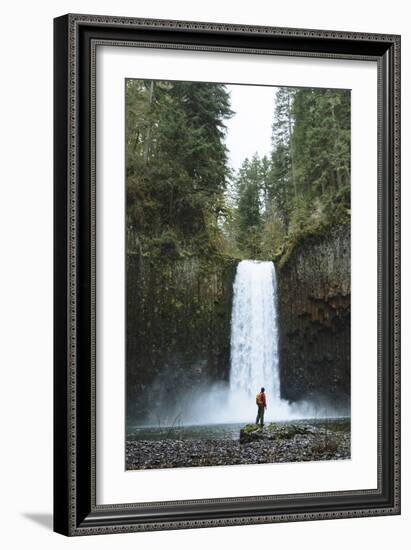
[(254, 330)]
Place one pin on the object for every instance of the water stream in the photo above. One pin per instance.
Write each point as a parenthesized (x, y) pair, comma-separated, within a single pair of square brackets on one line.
[(254, 331)]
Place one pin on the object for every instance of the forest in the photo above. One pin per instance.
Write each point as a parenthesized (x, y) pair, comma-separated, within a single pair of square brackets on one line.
[(183, 199)]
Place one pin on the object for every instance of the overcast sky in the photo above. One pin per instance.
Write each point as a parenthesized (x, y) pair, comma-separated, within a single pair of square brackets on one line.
[(249, 130)]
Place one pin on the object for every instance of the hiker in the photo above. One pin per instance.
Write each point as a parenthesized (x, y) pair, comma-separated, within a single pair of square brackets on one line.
[(262, 405)]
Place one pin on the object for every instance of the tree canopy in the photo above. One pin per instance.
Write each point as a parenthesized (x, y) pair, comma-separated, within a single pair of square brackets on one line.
[(182, 196)]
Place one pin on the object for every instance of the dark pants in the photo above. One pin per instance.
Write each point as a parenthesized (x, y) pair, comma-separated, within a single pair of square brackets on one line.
[(260, 415)]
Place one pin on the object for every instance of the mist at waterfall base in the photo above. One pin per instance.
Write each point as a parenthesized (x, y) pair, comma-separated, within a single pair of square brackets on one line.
[(254, 363)]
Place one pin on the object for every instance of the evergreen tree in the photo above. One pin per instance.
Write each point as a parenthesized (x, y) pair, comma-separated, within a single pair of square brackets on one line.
[(249, 187), (309, 181), (176, 159), (178, 197), (321, 140), (282, 183)]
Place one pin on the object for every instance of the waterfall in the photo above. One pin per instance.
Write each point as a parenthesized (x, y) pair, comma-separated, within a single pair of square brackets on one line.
[(254, 357), (254, 330)]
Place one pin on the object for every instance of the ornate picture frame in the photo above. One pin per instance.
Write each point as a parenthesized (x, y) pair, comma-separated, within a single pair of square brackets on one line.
[(76, 40)]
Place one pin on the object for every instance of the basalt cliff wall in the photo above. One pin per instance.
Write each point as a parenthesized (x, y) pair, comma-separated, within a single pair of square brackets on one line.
[(178, 331), (314, 291)]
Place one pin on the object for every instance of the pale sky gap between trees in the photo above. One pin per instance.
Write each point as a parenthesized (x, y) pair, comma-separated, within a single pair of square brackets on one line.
[(249, 130)]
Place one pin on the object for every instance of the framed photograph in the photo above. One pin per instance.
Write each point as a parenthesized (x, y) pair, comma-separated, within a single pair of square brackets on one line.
[(227, 277)]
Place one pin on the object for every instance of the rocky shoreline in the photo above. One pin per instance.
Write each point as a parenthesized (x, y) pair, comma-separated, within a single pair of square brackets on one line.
[(297, 442)]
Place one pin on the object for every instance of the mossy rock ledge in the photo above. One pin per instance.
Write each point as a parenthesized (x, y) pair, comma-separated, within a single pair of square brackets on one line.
[(273, 432)]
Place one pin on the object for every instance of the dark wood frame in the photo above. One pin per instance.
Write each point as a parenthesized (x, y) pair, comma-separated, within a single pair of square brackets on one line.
[(75, 40)]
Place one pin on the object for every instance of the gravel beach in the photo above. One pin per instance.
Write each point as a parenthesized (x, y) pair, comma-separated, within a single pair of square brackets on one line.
[(317, 443)]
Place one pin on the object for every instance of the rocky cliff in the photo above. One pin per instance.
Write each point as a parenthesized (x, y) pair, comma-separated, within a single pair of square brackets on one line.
[(178, 331), (314, 315)]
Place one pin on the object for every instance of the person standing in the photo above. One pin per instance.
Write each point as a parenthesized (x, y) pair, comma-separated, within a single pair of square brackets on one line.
[(261, 402)]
